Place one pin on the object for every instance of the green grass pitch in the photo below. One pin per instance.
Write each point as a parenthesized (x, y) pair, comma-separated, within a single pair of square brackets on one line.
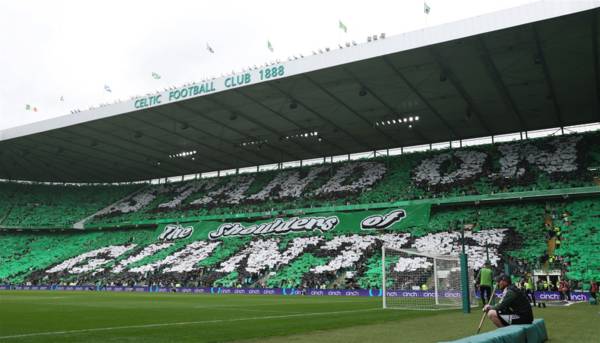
[(55, 316)]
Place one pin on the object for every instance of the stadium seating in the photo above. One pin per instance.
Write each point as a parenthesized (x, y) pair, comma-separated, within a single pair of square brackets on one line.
[(512, 232), (547, 163), (53, 206), (515, 231)]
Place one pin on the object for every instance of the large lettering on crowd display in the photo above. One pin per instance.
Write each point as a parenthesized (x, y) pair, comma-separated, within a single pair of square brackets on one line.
[(371, 172), (147, 251), (561, 157), (287, 185), (184, 260), (184, 192), (347, 258), (137, 201), (277, 226), (429, 171), (231, 193), (91, 260), (449, 243), (265, 254), (557, 156)]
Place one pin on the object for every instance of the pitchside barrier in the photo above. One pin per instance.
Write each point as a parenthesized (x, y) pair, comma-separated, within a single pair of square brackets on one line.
[(548, 296), (528, 333)]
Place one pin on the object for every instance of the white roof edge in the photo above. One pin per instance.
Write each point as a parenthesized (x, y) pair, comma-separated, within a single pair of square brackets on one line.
[(532, 12)]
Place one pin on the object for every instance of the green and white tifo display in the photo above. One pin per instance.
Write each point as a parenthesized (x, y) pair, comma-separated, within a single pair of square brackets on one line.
[(524, 205)]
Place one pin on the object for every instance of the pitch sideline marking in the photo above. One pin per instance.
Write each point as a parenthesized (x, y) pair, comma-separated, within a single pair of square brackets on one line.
[(52, 333)]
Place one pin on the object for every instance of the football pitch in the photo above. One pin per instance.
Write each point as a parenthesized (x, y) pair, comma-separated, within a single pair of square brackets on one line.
[(38, 316)]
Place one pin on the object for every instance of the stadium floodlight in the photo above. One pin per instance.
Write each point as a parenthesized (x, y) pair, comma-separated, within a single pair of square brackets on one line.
[(421, 281), (410, 118), (417, 118), (410, 126), (405, 120)]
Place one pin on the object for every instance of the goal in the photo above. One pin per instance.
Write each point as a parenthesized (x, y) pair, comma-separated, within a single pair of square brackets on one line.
[(414, 280)]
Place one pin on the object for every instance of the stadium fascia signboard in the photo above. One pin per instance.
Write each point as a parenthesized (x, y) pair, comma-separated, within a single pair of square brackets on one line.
[(212, 86)]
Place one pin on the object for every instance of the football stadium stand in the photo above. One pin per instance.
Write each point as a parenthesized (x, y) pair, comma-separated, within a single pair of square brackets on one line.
[(424, 145), (531, 165), (523, 204)]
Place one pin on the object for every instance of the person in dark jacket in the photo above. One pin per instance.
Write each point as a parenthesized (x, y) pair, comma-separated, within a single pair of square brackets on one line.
[(514, 308)]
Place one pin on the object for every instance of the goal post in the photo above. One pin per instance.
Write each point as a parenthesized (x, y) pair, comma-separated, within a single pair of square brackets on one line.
[(417, 280)]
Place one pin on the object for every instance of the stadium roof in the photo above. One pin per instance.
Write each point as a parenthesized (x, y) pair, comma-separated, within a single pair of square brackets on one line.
[(526, 68)]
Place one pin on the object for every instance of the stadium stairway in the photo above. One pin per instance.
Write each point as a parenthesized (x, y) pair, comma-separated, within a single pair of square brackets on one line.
[(530, 333)]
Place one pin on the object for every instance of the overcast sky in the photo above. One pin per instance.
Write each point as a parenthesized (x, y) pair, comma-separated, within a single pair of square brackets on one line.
[(71, 49)]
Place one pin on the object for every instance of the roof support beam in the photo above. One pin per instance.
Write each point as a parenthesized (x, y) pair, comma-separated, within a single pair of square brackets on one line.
[(149, 156), (223, 164), (500, 86), (540, 53), (267, 127), (323, 118), (596, 59), (370, 124), (258, 103), (110, 156), (220, 138), (200, 143), (17, 156), (460, 89), (414, 89), (385, 104), (72, 166), (241, 133)]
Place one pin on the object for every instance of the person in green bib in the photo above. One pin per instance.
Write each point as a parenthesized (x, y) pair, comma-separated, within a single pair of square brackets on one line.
[(529, 289), (484, 282)]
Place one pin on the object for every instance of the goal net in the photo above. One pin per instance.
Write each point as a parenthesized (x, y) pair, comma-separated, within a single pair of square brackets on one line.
[(413, 280)]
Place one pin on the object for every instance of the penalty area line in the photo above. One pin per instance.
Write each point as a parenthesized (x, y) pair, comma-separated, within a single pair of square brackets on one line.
[(145, 326)]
